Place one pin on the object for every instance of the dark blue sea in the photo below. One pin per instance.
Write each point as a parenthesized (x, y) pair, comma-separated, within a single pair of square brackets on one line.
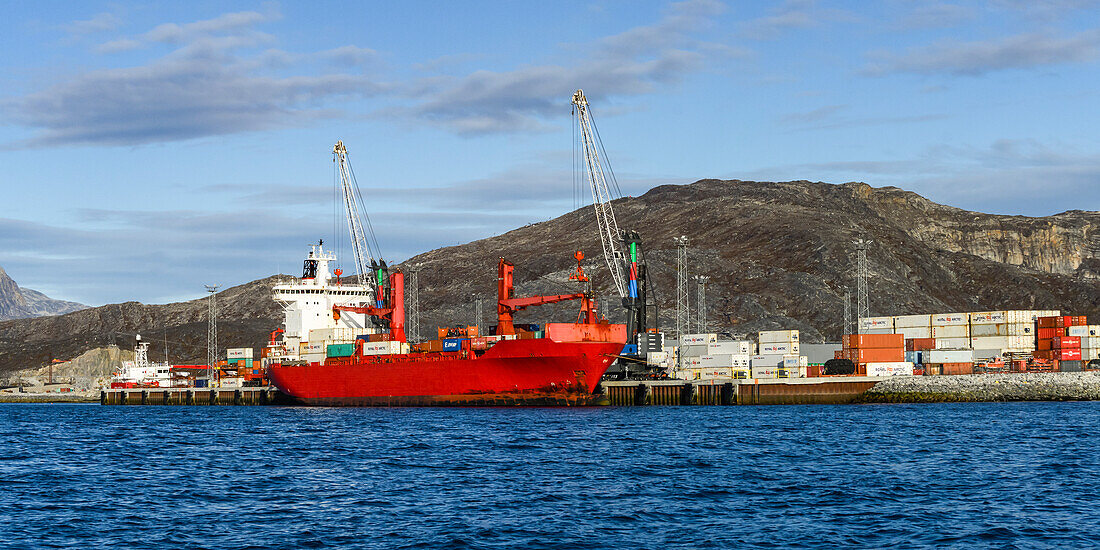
[(1021, 475)]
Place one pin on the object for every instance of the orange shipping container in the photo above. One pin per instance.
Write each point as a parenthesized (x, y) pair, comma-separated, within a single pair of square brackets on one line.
[(920, 344), (1045, 344), (957, 368), (880, 355), (862, 341)]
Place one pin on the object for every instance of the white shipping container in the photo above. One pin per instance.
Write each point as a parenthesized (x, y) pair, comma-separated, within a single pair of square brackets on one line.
[(950, 319), (320, 334), (1021, 329), (803, 361), (736, 346), (238, 353), (951, 331), (952, 343), (765, 372), (876, 323), (657, 358), (987, 317), (381, 348), (778, 336), (912, 321), (695, 349), (1083, 330), (691, 361), (989, 329), (711, 373), (990, 342), (937, 356), (876, 331), (312, 347), (890, 369), (1088, 354), (914, 332), (1016, 316), (313, 357), (776, 348), (1091, 342), (1021, 343), (697, 339), (721, 360), (766, 360)]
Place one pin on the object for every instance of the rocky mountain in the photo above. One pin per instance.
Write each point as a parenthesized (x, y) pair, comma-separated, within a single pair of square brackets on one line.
[(777, 254), (20, 303)]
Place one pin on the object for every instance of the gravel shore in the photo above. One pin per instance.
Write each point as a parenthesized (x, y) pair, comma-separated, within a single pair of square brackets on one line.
[(1057, 386)]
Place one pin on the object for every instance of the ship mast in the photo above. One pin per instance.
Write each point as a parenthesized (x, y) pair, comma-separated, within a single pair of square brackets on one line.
[(356, 214)]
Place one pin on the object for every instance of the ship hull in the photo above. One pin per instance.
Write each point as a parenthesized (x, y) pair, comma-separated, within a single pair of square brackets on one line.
[(531, 372)]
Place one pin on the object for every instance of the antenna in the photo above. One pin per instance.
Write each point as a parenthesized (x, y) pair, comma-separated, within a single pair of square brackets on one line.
[(863, 301), (701, 302), (212, 335), (683, 316)]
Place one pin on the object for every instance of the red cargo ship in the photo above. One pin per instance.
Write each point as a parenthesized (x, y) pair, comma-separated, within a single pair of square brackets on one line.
[(559, 366)]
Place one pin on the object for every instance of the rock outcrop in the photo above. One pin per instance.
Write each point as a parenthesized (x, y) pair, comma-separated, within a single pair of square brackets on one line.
[(20, 303)]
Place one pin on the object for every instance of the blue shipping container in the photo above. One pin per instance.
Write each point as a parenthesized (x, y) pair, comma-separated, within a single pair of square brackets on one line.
[(630, 349), (200, 383), (452, 344)]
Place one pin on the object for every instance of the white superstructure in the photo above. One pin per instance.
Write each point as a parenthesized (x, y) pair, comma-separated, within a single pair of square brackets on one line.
[(141, 371), (308, 304)]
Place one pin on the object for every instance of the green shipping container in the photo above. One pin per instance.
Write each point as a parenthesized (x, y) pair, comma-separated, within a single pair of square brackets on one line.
[(341, 350)]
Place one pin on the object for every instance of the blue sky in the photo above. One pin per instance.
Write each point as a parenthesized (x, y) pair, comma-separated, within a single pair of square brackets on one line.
[(149, 148)]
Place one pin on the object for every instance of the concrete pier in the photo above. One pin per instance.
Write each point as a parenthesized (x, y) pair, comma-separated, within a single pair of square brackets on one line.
[(192, 396), (794, 391)]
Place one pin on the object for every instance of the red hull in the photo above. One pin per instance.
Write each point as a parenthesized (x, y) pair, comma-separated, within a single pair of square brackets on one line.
[(512, 372)]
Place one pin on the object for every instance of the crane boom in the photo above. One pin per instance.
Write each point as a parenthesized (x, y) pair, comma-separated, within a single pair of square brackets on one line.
[(610, 236), (352, 204)]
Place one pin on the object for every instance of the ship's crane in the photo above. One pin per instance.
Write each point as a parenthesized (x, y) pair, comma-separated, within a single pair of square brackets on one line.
[(621, 249), (370, 270)]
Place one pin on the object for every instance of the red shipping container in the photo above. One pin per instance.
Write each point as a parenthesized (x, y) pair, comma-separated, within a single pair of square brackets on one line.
[(920, 344), (1044, 344), (1051, 332), (1067, 354), (875, 341), (1062, 321), (1043, 354), (1066, 342), (880, 355)]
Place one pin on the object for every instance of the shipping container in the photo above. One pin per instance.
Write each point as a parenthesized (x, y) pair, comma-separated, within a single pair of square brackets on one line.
[(238, 353), (737, 346), (877, 331), (1027, 316), (912, 321), (952, 343), (659, 358), (938, 356), (393, 347), (777, 336), (1066, 342), (874, 341), (914, 332), (765, 371), (988, 318), (774, 348), (873, 323), (900, 368), (340, 350), (914, 357), (951, 331), (920, 344), (1083, 330), (990, 342), (879, 355), (1021, 329), (989, 329), (950, 319), (694, 349), (1062, 321), (957, 368), (697, 339), (1046, 333)]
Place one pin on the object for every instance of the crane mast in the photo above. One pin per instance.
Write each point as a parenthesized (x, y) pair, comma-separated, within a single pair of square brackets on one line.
[(622, 249), (610, 236), (365, 265)]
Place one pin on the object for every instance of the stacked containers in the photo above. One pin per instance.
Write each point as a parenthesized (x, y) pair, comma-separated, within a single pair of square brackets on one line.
[(913, 326), (1054, 341), (1090, 340), (778, 349), (951, 330), (873, 348)]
